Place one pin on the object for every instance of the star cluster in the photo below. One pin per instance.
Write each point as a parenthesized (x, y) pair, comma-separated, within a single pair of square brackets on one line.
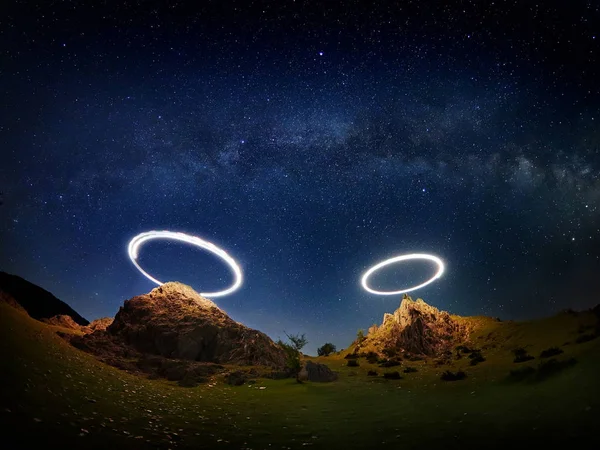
[(310, 140)]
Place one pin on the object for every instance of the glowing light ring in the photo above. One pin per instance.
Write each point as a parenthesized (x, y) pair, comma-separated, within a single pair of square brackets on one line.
[(376, 267), (137, 241)]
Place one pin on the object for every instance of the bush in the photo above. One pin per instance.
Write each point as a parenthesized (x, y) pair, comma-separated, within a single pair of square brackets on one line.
[(292, 352), (521, 374), (552, 351), (326, 349), (545, 370), (521, 355), (552, 367), (372, 357), (585, 338), (390, 352), (476, 357), (392, 375), (463, 349), (360, 336), (441, 362), (351, 356), (372, 373), (410, 370), (451, 376), (352, 363), (389, 363)]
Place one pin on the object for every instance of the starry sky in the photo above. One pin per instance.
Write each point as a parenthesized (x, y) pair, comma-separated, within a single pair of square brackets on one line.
[(310, 140)]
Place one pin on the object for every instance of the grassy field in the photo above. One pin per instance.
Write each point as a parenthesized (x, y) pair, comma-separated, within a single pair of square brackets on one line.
[(60, 397)]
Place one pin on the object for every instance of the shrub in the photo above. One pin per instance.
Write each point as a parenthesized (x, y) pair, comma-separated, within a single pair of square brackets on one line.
[(552, 367), (584, 328), (521, 373), (451, 376), (552, 351), (372, 373), (441, 362), (389, 363), (585, 338), (292, 352), (326, 349), (410, 370), (476, 357), (392, 375), (390, 352), (463, 349), (352, 363), (372, 357), (360, 336), (351, 356), (521, 355)]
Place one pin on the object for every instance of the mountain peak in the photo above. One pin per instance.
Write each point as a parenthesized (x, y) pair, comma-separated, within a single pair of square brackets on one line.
[(416, 327), (168, 291)]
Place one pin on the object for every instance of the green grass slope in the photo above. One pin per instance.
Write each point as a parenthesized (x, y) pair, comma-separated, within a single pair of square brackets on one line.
[(57, 396)]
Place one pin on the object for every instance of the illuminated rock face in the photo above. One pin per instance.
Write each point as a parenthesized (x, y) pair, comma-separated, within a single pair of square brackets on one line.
[(64, 321), (100, 324), (417, 328), (174, 321)]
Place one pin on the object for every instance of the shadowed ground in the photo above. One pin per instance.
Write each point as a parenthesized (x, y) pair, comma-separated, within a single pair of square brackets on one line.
[(54, 393)]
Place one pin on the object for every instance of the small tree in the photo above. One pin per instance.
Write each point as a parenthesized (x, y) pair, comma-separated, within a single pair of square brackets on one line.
[(360, 336), (326, 349), (292, 352)]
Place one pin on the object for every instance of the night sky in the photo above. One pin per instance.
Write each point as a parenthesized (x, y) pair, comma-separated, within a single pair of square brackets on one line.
[(310, 140)]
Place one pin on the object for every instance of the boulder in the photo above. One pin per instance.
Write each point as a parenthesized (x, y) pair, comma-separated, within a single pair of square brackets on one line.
[(318, 372)]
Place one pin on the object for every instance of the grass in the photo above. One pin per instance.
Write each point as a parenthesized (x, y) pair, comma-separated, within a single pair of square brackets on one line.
[(54, 393)]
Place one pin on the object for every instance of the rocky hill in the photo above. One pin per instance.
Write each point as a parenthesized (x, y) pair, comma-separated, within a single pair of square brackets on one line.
[(174, 323), (39, 303), (416, 328)]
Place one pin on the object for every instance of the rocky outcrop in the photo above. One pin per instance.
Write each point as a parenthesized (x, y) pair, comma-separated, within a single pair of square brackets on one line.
[(316, 372), (174, 322), (39, 303), (100, 324), (417, 328), (65, 322)]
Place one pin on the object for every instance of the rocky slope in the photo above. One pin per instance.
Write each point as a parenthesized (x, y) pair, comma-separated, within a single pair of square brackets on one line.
[(416, 328), (39, 303), (174, 323)]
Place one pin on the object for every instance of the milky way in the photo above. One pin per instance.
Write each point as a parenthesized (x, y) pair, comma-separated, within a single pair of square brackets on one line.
[(313, 141)]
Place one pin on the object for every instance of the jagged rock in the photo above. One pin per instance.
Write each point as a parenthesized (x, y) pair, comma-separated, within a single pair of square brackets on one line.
[(100, 324), (316, 372), (173, 322), (417, 328)]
